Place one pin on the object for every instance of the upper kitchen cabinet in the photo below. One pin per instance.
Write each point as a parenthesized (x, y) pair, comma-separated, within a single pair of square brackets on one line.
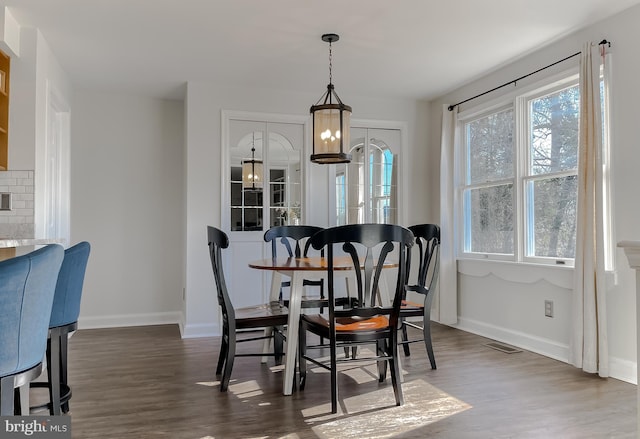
[(4, 110)]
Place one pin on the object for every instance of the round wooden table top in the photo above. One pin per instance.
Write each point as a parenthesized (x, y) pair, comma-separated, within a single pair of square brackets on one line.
[(307, 264)]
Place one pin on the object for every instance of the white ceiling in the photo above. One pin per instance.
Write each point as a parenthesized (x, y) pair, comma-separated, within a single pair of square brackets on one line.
[(404, 48)]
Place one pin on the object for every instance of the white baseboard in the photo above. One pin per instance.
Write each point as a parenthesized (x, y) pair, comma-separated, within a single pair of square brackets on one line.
[(623, 370), (199, 330), (620, 369), (165, 318), (116, 321), (539, 345)]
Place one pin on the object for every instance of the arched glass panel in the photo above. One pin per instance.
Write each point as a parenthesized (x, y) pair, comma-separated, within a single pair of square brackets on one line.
[(366, 188)]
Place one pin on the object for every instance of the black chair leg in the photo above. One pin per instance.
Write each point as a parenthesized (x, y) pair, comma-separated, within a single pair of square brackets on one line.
[(278, 344), (302, 349), (382, 365), (224, 347), (395, 381), (405, 339), (228, 362), (64, 383), (334, 377), (54, 373), (426, 332), (17, 404)]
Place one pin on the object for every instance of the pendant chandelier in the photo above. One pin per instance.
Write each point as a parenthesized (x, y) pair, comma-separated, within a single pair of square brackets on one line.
[(331, 122), (252, 171)]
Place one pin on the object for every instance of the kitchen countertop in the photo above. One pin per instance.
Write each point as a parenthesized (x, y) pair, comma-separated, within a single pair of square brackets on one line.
[(22, 242)]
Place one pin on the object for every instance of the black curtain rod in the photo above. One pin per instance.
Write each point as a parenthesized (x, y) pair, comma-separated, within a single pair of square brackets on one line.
[(451, 107)]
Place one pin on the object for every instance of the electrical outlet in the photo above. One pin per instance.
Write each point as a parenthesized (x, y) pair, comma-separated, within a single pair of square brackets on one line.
[(548, 308)]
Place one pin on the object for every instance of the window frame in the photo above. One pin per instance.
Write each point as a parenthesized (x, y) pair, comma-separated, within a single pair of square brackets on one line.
[(519, 100)]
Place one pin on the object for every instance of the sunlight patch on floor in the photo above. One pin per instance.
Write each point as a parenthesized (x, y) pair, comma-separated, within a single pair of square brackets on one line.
[(359, 416), (360, 372), (246, 389)]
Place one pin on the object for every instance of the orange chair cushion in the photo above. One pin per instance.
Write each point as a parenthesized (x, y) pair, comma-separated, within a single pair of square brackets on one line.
[(349, 324)]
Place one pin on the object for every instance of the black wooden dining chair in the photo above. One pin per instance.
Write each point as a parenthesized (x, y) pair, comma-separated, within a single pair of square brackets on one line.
[(427, 238), (271, 315), (293, 239), (368, 247)]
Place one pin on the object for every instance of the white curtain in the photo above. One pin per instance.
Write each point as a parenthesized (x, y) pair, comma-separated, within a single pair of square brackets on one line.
[(589, 336), (448, 280)]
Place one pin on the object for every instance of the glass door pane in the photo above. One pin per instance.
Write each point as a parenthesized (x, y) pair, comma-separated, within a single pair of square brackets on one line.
[(246, 199), (285, 175), (367, 187)]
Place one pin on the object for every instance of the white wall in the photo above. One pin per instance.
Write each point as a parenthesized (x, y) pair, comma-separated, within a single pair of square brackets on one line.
[(126, 198), (204, 103), (495, 304)]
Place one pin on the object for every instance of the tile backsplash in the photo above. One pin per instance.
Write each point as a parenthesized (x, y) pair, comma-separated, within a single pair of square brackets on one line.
[(17, 222)]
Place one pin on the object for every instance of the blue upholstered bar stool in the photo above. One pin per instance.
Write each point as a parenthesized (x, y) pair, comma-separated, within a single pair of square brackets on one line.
[(64, 319), (27, 287)]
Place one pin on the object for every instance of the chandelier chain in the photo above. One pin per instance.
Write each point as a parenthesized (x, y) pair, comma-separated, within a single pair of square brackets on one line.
[(330, 64)]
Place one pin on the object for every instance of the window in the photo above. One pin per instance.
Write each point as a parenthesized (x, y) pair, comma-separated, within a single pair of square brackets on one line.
[(518, 180), (367, 188)]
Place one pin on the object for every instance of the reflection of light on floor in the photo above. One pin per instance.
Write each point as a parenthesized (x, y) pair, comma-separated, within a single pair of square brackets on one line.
[(289, 436), (243, 390), (374, 415), (279, 368), (246, 389), (359, 372)]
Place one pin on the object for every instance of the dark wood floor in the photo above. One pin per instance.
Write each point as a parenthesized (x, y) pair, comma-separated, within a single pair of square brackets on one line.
[(147, 382)]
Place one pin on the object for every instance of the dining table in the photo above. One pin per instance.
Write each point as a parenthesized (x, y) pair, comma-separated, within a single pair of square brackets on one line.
[(299, 269)]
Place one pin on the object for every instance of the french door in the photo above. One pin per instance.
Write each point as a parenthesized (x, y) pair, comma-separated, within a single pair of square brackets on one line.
[(263, 186)]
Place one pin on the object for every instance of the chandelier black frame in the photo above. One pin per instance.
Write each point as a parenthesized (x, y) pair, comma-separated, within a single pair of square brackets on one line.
[(331, 121)]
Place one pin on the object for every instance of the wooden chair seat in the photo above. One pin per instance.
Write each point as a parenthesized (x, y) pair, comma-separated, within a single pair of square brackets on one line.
[(269, 314), (350, 324), (409, 308)]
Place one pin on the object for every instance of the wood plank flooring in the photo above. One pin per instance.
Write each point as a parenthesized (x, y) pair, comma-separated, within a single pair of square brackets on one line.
[(147, 382)]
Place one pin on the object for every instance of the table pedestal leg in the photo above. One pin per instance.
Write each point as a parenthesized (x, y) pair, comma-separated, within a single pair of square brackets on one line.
[(295, 296)]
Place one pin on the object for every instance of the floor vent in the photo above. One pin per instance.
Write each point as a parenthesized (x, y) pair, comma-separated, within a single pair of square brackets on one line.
[(503, 348)]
